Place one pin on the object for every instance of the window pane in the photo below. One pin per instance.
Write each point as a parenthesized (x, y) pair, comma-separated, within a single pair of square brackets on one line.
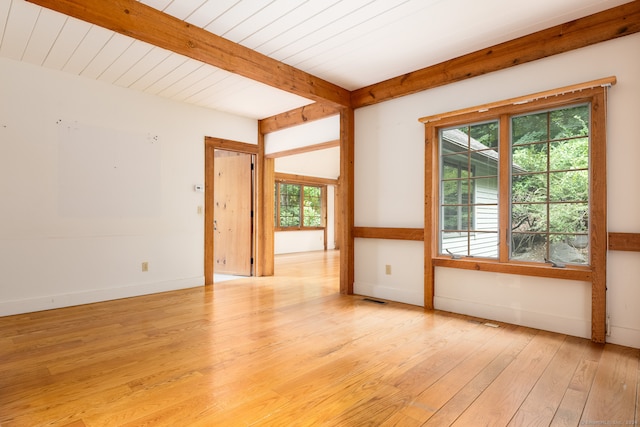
[(484, 245), (455, 217), (528, 218), (570, 122), (529, 128), (484, 190), (569, 217), (450, 192), (529, 188), (569, 154), (456, 243), (485, 134), (454, 140), (289, 205), (312, 206), (569, 186), (561, 251), (486, 218), (528, 247), (529, 158), (484, 163)]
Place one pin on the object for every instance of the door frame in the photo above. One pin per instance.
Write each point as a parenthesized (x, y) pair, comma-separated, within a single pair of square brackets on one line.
[(210, 145)]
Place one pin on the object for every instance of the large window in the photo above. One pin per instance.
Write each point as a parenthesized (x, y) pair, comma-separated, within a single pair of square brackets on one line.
[(517, 187), (548, 193), (298, 206)]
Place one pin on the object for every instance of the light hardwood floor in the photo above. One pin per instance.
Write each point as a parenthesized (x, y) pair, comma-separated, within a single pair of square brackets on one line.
[(288, 351)]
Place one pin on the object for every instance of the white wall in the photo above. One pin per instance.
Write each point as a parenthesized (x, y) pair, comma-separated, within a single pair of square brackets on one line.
[(56, 247), (389, 188), (320, 163)]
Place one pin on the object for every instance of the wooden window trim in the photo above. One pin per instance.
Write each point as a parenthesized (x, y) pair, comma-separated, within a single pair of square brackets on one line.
[(594, 92), (323, 206)]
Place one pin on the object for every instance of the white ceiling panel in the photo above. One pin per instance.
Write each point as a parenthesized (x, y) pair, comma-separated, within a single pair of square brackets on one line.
[(180, 72), (110, 52), (125, 61), (183, 8), (283, 24), (41, 42), (5, 6), (143, 66), (209, 12), (165, 67), (77, 45), (351, 43), (17, 32), (258, 21)]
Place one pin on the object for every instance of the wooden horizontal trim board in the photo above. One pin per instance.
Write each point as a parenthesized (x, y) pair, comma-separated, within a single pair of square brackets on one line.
[(299, 116), (305, 149), (226, 144), (607, 81), (609, 24), (416, 234), (624, 242), (303, 179), (142, 22), (543, 270)]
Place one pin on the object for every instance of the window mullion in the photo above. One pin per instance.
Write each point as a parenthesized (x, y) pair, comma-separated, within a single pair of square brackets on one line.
[(504, 193)]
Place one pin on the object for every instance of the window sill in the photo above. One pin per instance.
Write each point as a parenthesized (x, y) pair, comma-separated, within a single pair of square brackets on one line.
[(525, 269), (298, 228)]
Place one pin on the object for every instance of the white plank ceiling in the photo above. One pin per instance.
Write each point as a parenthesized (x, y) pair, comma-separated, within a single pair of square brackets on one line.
[(351, 43)]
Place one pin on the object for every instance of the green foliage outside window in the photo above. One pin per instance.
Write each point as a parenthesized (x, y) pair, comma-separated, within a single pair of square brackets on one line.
[(298, 205)]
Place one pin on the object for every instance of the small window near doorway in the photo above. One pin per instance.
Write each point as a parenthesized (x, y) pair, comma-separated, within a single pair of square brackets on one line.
[(299, 206)]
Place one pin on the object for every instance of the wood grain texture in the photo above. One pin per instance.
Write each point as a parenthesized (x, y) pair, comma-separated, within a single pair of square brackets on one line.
[(624, 242), (305, 149), (142, 22), (609, 24), (416, 234), (308, 113), (304, 179), (292, 350), (347, 200)]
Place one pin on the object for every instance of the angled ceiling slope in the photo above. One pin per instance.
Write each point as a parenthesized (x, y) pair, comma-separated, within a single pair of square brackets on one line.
[(315, 47)]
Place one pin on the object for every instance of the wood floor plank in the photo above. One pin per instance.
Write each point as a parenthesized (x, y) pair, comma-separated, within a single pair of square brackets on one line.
[(519, 378), (451, 411), (612, 399), (573, 402), (543, 401), (291, 350)]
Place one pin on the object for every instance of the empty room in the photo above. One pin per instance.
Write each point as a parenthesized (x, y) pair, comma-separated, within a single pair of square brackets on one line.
[(345, 213)]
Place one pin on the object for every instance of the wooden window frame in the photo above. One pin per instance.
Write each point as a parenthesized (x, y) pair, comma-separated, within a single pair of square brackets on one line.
[(594, 93), (302, 227)]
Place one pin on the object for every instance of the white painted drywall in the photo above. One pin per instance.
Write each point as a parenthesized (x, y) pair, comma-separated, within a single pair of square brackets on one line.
[(57, 251), (389, 189)]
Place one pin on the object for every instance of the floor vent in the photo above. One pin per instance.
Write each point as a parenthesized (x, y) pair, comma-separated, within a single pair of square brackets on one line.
[(373, 300)]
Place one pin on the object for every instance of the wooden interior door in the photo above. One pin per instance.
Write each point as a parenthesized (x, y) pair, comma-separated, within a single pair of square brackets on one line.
[(233, 204)]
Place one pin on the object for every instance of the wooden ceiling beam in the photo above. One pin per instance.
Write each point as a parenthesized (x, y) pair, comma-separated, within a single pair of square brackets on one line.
[(609, 24), (308, 113), (142, 22)]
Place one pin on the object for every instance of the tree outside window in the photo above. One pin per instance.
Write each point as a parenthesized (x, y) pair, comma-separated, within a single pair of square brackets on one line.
[(298, 206)]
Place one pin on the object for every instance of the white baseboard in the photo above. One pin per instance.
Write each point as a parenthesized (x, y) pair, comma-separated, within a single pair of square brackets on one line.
[(391, 294), (545, 321), (29, 305), (624, 336)]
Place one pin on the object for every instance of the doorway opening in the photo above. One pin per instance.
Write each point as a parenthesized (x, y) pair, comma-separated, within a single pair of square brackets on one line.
[(230, 200)]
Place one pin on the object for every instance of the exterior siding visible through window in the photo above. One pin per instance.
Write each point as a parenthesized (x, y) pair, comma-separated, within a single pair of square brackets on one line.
[(548, 191)]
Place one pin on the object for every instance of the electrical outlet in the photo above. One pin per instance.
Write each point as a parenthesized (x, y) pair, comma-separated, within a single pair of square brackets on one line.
[(145, 266), (387, 269)]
